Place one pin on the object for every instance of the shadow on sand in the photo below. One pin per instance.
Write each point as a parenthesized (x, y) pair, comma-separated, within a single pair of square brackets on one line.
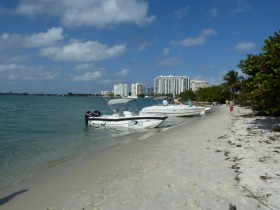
[(267, 123), (11, 196), (264, 122)]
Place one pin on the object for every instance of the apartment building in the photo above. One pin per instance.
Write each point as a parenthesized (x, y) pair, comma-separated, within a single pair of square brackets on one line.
[(121, 89), (171, 84), (137, 89), (196, 84)]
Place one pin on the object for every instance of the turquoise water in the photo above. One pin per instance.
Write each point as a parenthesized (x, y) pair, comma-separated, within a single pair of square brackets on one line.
[(37, 132)]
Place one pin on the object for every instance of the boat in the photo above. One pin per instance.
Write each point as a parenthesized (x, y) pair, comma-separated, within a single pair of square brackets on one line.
[(208, 109), (124, 115), (179, 110)]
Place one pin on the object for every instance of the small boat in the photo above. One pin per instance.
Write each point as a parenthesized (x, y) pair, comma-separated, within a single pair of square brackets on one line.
[(124, 116), (208, 110), (179, 110)]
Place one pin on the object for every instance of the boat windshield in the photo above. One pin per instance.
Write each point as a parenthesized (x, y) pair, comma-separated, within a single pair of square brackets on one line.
[(121, 105)]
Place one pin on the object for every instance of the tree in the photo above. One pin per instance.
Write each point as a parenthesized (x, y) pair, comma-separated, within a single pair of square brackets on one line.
[(188, 94), (213, 93), (232, 82), (208, 94), (263, 83), (141, 95)]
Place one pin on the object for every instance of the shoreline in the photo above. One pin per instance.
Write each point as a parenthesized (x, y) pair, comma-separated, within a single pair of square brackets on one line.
[(185, 167), (119, 136)]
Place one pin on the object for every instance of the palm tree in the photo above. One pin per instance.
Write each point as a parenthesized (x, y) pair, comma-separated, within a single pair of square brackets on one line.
[(232, 82)]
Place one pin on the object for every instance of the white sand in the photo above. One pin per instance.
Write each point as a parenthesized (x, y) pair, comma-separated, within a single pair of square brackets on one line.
[(255, 156), (192, 166)]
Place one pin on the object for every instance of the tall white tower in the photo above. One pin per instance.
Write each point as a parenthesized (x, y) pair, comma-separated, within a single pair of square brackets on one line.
[(171, 84), (121, 89)]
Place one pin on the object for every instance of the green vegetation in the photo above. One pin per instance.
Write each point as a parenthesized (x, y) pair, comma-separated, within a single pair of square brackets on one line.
[(209, 94), (262, 87), (142, 95), (233, 83), (189, 94), (215, 93)]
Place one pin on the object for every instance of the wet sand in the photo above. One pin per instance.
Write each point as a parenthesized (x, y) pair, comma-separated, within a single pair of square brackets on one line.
[(211, 163)]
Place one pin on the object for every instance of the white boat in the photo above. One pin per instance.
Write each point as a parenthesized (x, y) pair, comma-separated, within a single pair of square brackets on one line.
[(208, 110), (124, 116), (179, 110)]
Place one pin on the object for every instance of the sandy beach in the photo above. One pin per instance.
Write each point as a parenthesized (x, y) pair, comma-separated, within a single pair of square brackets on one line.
[(215, 162)]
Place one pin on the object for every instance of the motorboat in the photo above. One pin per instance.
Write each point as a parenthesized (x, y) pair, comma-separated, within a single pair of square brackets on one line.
[(124, 115), (179, 110), (208, 109)]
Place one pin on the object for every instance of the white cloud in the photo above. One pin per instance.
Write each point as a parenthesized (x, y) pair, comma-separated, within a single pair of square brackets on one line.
[(193, 41), (8, 41), (98, 13), (144, 46), (105, 81), (10, 67), (84, 66), (5, 36), (22, 72), (207, 32), (52, 36), (87, 77), (82, 51), (51, 47), (181, 13), (213, 12), (170, 62), (15, 41), (241, 7), (123, 72), (245, 46), (29, 8), (200, 40), (16, 58), (165, 51)]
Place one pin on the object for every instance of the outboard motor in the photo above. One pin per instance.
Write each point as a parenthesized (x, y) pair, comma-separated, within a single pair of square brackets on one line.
[(87, 115), (91, 114), (96, 113)]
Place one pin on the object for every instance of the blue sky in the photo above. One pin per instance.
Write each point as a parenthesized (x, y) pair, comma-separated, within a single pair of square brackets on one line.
[(61, 46)]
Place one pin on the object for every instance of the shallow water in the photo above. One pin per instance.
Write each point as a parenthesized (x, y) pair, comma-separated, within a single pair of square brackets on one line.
[(38, 132)]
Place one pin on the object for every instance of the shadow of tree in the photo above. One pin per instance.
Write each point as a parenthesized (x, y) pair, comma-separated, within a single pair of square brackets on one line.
[(11, 196), (264, 122), (267, 123)]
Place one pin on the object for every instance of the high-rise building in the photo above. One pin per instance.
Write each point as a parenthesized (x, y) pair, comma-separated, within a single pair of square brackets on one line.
[(171, 84), (137, 89), (195, 85), (121, 89)]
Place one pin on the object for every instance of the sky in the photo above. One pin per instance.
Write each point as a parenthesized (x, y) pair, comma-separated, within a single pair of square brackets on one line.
[(87, 46)]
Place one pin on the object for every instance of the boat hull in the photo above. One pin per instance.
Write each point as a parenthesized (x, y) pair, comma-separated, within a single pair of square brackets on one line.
[(129, 122), (175, 110)]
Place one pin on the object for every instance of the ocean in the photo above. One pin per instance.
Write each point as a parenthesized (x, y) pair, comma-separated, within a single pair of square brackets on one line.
[(39, 132)]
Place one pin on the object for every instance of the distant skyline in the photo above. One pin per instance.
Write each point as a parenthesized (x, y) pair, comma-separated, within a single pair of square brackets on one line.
[(88, 46)]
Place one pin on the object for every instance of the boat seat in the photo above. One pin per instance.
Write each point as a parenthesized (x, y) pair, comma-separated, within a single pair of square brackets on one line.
[(128, 113)]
